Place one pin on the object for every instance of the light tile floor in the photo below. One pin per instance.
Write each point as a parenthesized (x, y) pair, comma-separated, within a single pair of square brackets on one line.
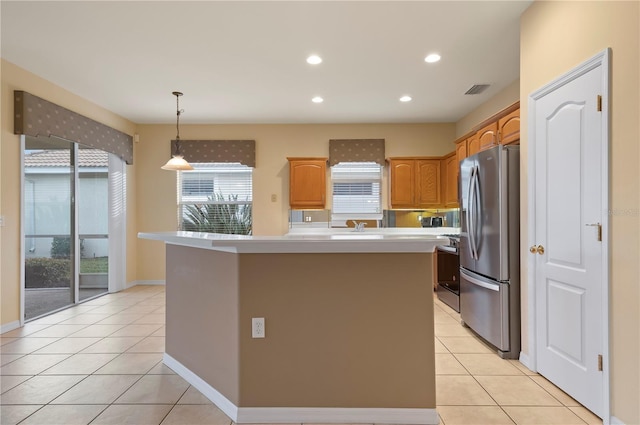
[(475, 386), (101, 363)]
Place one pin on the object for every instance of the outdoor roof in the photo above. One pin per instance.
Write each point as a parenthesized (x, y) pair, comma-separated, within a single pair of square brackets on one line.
[(60, 158)]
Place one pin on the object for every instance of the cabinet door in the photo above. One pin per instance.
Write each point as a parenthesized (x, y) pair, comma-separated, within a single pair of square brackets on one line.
[(488, 136), (402, 183), (509, 128), (307, 183), (473, 145), (428, 183), (451, 185), (461, 150)]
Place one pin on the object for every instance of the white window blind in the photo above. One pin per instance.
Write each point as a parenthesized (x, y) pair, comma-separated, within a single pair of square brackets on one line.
[(356, 191), (216, 198)]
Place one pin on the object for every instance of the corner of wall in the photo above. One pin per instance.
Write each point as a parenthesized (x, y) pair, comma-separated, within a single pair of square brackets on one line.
[(505, 97)]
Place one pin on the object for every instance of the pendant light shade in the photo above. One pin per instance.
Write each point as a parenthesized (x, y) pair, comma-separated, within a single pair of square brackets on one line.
[(177, 162)]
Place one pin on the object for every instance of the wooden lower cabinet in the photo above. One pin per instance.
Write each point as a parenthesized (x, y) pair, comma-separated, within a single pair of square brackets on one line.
[(307, 183)]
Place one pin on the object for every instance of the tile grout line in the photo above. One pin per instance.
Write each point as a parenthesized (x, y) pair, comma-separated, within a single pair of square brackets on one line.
[(483, 388), (72, 354)]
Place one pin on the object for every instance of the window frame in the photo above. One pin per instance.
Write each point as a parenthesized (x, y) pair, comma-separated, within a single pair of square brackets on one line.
[(368, 176), (203, 201)]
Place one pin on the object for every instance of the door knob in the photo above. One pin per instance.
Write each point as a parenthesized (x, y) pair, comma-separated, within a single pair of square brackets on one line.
[(539, 249)]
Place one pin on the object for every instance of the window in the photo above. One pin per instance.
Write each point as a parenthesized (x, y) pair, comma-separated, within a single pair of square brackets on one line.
[(216, 198), (356, 191)]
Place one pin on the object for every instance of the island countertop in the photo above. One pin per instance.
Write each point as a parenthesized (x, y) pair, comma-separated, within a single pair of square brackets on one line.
[(339, 242), (347, 325)]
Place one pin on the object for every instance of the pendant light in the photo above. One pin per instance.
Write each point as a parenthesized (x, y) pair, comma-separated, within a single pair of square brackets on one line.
[(177, 162)]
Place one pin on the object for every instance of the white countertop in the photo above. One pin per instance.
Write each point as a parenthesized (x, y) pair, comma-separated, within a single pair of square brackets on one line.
[(369, 241), (413, 231)]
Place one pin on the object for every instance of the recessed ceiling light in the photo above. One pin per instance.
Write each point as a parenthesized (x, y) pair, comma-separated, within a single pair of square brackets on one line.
[(317, 99), (433, 57), (314, 59), (405, 99)]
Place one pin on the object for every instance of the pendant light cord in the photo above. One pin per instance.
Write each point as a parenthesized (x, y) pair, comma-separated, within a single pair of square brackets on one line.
[(178, 112)]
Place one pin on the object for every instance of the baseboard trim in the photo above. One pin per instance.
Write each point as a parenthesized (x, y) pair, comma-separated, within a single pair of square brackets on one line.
[(616, 421), (302, 414), (524, 359), (143, 282), (8, 327), (207, 390), (343, 415)]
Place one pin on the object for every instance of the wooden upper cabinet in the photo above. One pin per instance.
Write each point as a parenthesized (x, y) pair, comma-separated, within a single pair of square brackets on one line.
[(450, 175), (461, 150), (307, 183), (428, 190), (488, 136), (509, 128), (402, 183), (415, 182), (473, 145)]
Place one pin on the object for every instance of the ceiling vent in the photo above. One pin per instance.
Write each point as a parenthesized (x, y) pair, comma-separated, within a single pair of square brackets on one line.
[(477, 89)]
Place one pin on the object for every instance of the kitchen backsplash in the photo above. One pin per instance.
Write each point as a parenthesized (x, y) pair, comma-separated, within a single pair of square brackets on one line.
[(390, 218)]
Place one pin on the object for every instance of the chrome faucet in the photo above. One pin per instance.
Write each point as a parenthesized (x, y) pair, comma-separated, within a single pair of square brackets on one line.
[(358, 227)]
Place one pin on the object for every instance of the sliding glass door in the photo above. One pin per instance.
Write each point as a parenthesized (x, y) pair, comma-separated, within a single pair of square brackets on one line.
[(66, 224), (93, 222), (49, 229)]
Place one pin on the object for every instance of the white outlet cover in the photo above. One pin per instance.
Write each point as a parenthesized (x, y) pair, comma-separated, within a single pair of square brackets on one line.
[(257, 327)]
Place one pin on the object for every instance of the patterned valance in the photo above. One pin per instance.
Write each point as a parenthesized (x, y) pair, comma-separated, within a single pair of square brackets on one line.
[(356, 150), (34, 116), (242, 151)]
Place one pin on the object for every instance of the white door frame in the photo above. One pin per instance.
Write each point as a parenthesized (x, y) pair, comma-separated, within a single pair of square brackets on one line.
[(602, 60)]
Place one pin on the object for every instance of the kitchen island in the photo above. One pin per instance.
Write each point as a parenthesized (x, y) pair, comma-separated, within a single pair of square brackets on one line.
[(348, 325)]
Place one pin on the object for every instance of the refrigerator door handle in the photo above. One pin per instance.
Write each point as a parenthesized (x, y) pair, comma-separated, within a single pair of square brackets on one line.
[(470, 219), (477, 213), (478, 282)]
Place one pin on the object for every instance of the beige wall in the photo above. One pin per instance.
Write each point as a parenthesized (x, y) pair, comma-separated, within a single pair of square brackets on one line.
[(156, 188), (507, 96), (555, 37), (15, 78)]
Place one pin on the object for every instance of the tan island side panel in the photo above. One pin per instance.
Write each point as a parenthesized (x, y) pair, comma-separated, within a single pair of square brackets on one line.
[(342, 330), (202, 315)]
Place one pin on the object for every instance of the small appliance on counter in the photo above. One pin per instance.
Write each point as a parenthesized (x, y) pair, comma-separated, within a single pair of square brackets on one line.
[(434, 221)]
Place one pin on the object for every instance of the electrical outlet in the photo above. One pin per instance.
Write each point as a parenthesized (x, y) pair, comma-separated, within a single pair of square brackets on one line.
[(274, 197), (257, 327)]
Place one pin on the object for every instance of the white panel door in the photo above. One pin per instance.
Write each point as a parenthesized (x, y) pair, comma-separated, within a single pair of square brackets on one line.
[(568, 258)]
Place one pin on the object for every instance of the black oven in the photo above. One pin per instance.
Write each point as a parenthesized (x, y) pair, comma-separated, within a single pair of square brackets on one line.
[(448, 275)]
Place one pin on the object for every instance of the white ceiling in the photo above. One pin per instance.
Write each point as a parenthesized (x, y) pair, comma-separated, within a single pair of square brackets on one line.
[(244, 62)]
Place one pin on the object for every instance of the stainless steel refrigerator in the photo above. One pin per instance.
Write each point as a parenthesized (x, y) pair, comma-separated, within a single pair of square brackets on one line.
[(489, 247)]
